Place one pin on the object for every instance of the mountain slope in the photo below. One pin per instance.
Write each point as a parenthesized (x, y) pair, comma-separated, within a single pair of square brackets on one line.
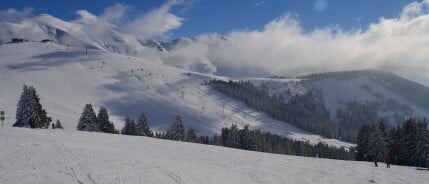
[(384, 95), (76, 34), (56, 156), (67, 78)]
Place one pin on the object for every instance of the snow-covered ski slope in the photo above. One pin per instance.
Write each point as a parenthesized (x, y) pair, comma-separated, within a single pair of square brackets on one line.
[(66, 78), (66, 156)]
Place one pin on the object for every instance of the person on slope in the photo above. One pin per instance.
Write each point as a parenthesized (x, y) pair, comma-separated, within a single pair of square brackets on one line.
[(374, 159), (388, 161)]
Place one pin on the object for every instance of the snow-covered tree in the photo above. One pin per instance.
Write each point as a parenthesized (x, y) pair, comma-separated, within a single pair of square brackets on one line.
[(129, 127), (190, 135), (378, 146), (42, 120), (142, 126), (29, 112), (88, 120), (231, 137), (176, 131), (408, 132), (245, 138), (103, 123), (23, 111), (362, 143), (419, 147), (58, 124)]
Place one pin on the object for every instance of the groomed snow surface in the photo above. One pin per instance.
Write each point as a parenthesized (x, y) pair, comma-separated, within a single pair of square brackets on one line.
[(68, 156)]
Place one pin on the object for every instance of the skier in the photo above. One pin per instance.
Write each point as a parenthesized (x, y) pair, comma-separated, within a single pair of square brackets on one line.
[(374, 159), (53, 126), (388, 161)]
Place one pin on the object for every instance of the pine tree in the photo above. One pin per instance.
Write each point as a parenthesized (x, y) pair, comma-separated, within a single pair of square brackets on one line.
[(22, 110), (142, 126), (362, 147), (176, 131), (408, 132), (378, 146), (103, 123), (41, 119), (58, 124), (88, 120), (129, 127), (418, 148), (29, 112), (190, 135), (245, 138), (232, 137)]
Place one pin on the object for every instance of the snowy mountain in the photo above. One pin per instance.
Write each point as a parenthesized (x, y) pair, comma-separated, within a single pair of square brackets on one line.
[(67, 78), (77, 34), (88, 63), (383, 94), (97, 35), (64, 156)]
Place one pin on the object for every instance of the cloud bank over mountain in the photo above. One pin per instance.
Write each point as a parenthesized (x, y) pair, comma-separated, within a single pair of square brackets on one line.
[(282, 46), (398, 44)]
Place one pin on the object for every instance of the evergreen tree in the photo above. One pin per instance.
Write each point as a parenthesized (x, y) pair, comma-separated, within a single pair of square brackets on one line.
[(246, 140), (103, 123), (408, 132), (190, 135), (29, 112), (362, 147), (176, 131), (395, 135), (142, 126), (41, 119), (88, 120), (58, 124), (378, 146), (129, 127), (231, 137), (23, 110), (418, 148)]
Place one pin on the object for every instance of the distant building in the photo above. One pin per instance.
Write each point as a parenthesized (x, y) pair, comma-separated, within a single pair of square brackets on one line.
[(18, 40), (46, 41)]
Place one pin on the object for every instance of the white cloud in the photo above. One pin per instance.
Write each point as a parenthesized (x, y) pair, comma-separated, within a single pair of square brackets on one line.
[(86, 17), (259, 3), (156, 22), (320, 5), (13, 15), (399, 44), (115, 14), (112, 15)]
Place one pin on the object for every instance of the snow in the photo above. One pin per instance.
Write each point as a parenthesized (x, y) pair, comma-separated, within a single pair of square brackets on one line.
[(66, 79), (337, 92), (67, 156)]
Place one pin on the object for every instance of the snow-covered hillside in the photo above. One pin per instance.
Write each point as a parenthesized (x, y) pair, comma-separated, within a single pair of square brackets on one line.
[(67, 78), (57, 156), (366, 88), (77, 34)]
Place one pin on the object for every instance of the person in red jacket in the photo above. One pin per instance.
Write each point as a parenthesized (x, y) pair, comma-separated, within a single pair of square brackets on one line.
[(388, 161)]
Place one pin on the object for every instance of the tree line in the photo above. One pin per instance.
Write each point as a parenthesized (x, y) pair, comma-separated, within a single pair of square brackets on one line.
[(305, 112), (30, 113), (232, 137), (406, 144)]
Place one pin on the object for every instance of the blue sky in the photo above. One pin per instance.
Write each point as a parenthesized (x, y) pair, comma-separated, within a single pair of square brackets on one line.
[(223, 16)]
